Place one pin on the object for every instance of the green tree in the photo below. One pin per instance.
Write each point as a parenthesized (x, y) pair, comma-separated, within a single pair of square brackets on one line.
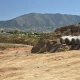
[(16, 32)]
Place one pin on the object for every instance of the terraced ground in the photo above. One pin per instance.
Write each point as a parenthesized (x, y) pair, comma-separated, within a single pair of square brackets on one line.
[(22, 65)]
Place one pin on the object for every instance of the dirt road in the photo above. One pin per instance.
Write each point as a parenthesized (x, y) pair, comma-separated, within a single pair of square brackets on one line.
[(58, 66)]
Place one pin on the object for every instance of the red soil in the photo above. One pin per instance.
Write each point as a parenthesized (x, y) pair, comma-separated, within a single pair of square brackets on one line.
[(28, 48)]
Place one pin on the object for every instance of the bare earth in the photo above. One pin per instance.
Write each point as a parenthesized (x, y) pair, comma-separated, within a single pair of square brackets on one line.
[(22, 65)]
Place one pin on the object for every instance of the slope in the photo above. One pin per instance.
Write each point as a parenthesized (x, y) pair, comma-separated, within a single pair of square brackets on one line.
[(40, 22)]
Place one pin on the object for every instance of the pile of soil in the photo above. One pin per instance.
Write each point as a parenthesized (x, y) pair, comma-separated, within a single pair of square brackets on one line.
[(51, 42)]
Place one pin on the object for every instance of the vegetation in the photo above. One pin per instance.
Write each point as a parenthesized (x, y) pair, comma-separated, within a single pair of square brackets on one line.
[(18, 37)]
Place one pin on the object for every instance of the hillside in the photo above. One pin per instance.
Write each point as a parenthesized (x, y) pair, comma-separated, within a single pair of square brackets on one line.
[(40, 22), (22, 66)]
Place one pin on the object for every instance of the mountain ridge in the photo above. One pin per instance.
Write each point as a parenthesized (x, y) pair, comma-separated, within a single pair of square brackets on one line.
[(40, 22)]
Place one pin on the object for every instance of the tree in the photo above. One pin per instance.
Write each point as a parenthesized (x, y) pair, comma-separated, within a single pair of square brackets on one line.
[(16, 32)]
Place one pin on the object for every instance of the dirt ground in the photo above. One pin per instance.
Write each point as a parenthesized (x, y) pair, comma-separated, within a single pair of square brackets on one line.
[(22, 65)]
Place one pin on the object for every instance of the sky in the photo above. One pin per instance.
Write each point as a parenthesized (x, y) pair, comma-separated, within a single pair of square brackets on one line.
[(10, 9)]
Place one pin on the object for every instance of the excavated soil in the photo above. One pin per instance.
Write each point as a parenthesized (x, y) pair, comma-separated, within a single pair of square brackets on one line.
[(49, 66)]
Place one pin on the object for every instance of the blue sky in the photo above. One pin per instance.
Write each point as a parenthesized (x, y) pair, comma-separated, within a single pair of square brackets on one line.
[(10, 9)]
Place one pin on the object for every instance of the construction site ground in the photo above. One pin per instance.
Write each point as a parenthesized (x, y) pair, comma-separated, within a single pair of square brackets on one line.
[(21, 64)]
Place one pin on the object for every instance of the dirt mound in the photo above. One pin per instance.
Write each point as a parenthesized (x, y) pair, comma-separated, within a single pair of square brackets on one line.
[(75, 28), (44, 45), (51, 43)]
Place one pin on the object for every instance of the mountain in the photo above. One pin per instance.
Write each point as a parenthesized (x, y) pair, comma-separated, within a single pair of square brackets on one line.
[(40, 22)]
